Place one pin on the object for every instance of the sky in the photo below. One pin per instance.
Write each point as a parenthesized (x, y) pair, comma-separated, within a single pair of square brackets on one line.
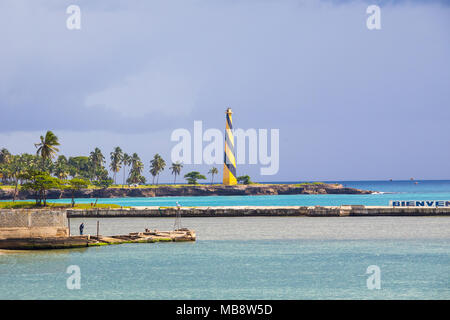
[(349, 103)]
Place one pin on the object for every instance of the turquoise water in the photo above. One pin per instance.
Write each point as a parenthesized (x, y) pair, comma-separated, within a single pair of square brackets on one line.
[(289, 269), (277, 200), (252, 257), (246, 258), (389, 190)]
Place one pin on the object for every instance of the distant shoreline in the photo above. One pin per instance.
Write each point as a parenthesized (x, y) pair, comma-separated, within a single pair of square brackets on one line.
[(191, 190)]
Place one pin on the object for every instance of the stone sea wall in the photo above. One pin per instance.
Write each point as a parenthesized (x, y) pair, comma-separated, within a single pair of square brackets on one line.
[(30, 223), (255, 211)]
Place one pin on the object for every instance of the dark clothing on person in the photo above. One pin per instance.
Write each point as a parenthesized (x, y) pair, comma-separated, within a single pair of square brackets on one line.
[(81, 229)]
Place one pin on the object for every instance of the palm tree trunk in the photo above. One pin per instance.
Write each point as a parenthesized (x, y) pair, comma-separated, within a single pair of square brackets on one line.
[(15, 190), (41, 197)]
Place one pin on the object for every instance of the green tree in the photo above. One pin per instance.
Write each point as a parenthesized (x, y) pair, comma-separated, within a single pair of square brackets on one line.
[(16, 166), (212, 172), (157, 165), (13, 169), (176, 170), (193, 176), (116, 161), (126, 162), (244, 179), (5, 157), (154, 173), (80, 167), (47, 148), (137, 167), (76, 184), (40, 182), (101, 174), (97, 161), (104, 183), (61, 168)]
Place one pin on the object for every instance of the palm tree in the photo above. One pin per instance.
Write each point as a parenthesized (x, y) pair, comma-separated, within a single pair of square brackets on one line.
[(15, 168), (97, 160), (157, 166), (116, 161), (136, 170), (5, 155), (47, 147), (212, 172), (61, 169), (176, 169), (134, 160), (5, 158), (126, 160), (161, 166), (154, 173)]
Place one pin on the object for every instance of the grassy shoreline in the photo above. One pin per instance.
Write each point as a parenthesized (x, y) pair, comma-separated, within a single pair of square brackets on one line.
[(32, 205)]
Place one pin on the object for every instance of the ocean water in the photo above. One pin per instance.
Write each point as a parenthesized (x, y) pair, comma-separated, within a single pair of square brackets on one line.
[(252, 257), (387, 190), (246, 258)]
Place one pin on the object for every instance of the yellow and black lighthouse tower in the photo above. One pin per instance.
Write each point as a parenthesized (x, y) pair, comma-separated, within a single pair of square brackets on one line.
[(229, 162)]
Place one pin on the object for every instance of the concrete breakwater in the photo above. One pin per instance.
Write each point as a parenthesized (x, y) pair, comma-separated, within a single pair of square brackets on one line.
[(246, 211), (31, 223), (31, 229), (191, 190), (46, 243)]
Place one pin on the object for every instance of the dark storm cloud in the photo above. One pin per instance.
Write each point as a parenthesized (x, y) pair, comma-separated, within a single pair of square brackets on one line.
[(342, 96)]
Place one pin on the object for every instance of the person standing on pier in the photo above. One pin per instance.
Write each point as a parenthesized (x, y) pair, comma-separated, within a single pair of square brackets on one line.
[(81, 228)]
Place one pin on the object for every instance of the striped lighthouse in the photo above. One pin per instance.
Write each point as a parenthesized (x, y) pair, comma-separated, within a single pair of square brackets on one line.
[(229, 160)]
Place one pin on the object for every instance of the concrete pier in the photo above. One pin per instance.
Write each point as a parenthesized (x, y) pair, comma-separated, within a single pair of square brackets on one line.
[(46, 243), (39, 229), (246, 211)]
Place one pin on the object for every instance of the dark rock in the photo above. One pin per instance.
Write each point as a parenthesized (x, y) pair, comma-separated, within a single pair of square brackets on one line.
[(200, 190)]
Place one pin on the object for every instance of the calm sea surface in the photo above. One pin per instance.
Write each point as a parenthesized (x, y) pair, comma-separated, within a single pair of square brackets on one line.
[(251, 257), (388, 190)]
